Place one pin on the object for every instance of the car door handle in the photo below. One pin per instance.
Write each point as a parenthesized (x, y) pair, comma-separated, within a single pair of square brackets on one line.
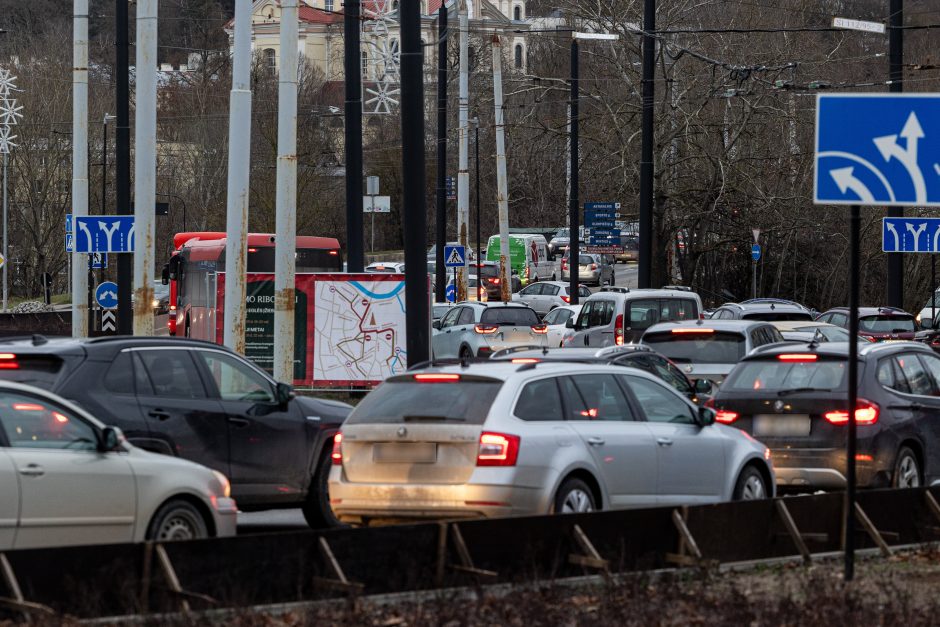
[(159, 414), (664, 441), (596, 441), (32, 470), (239, 422)]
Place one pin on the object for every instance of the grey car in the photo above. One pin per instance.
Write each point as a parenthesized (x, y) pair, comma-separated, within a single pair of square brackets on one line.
[(474, 329), (547, 295), (763, 309), (592, 269), (503, 439)]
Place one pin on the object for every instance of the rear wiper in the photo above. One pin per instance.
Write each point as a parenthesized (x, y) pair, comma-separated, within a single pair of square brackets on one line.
[(423, 418), (798, 390)]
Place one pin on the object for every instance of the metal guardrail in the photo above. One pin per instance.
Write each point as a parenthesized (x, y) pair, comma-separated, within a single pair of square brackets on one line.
[(126, 579)]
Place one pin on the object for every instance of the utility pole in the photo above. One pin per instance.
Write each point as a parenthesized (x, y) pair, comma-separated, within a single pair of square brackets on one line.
[(414, 207), (239, 172), (502, 184), (574, 202), (285, 244), (645, 269), (440, 216), (80, 162), (476, 148), (145, 165), (463, 158), (895, 270), (123, 159), (352, 66)]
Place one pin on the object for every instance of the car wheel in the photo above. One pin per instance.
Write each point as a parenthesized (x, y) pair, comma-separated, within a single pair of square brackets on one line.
[(554, 277), (466, 353), (750, 486), (906, 470), (574, 496), (316, 508), (613, 278), (177, 520)]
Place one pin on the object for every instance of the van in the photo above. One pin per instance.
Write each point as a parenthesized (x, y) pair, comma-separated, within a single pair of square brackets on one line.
[(619, 315), (528, 257)]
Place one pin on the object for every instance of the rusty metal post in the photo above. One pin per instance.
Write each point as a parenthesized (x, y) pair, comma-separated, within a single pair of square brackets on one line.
[(79, 162), (145, 165), (239, 173), (463, 151), (286, 219), (502, 192)]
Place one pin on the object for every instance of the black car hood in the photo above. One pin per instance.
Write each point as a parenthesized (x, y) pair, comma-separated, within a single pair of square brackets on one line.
[(329, 411)]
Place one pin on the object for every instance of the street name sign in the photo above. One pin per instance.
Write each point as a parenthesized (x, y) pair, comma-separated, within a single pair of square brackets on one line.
[(104, 234), (862, 25)]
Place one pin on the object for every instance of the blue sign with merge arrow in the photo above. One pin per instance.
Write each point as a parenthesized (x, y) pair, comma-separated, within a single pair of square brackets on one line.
[(450, 293), (106, 295), (104, 234), (910, 235), (877, 149)]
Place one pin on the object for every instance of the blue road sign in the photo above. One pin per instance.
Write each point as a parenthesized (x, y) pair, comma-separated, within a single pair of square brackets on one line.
[(454, 256), (910, 235), (68, 223), (602, 206), (104, 234), (450, 293), (106, 295), (99, 261), (451, 188), (599, 223), (755, 252), (877, 149), (69, 242)]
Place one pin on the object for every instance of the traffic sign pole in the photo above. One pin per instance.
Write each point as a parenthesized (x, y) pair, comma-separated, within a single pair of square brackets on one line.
[(853, 394), (895, 262)]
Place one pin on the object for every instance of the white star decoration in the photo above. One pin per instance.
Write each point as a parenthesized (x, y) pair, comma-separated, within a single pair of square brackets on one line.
[(384, 58), (9, 110)]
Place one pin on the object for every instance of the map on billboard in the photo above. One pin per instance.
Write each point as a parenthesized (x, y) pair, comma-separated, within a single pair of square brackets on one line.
[(359, 329)]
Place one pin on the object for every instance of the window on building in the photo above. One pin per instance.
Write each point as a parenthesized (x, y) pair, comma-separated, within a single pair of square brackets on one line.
[(518, 56), (517, 13), (328, 5), (365, 64), (270, 59)]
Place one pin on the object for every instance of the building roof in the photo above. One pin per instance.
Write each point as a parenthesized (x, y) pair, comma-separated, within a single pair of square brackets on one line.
[(312, 15)]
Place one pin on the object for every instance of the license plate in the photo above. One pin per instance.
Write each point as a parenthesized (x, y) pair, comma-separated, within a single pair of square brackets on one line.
[(404, 452), (777, 425)]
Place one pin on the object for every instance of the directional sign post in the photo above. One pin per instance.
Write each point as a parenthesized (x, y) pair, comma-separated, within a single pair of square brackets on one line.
[(106, 295), (600, 225), (104, 234)]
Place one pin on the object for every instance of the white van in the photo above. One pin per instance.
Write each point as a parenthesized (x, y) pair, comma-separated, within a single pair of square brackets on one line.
[(528, 257)]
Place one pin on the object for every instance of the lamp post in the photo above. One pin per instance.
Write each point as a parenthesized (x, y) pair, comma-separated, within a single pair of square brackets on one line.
[(104, 164), (476, 144), (9, 113)]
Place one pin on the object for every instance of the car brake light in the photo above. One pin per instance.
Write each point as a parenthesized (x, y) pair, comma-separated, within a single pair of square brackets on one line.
[(437, 377), (337, 454), (565, 298), (525, 360), (541, 329), (486, 329), (172, 307), (498, 449), (593, 266), (866, 413), (797, 357), (334, 252), (618, 330), (252, 250), (723, 416), (8, 361), (692, 330)]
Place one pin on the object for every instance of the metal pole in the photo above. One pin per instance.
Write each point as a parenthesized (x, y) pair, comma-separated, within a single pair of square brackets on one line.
[(145, 165), (80, 162), (463, 149), (125, 273), (239, 172), (753, 279), (104, 168), (645, 269), (353, 71), (440, 216), (414, 202), (502, 198), (5, 214), (476, 126), (853, 394), (285, 246), (933, 287), (574, 201), (895, 270)]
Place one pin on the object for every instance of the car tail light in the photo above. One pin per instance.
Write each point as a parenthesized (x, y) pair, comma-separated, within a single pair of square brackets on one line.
[(494, 280), (525, 360), (498, 449), (337, 454), (566, 298), (618, 330), (486, 329), (8, 361), (593, 266), (437, 377), (797, 357), (541, 329), (866, 413), (692, 330), (564, 264), (724, 416), (334, 252)]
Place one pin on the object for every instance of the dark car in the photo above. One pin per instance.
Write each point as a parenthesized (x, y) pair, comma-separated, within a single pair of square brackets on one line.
[(488, 272), (199, 401), (878, 323), (792, 397)]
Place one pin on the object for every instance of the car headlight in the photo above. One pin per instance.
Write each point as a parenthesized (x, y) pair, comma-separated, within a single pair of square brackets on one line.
[(155, 303), (225, 488)]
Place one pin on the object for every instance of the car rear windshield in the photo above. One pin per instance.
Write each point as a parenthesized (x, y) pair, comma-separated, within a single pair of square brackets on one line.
[(509, 316), (778, 316), (585, 259), (719, 347), (886, 324), (419, 402), (773, 375), (487, 271), (38, 370)]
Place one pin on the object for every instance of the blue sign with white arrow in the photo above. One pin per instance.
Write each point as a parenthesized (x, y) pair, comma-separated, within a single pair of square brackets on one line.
[(877, 149), (68, 223), (104, 234), (450, 293), (106, 295), (910, 235), (755, 252)]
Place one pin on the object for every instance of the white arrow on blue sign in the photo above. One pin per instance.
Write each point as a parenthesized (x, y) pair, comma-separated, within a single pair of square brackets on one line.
[(106, 295), (104, 234), (877, 149), (910, 235), (755, 252), (450, 293)]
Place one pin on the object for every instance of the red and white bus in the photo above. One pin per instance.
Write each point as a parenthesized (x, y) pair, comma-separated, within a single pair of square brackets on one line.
[(192, 273)]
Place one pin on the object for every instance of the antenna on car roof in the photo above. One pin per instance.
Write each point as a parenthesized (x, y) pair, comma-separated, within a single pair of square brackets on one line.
[(39, 340)]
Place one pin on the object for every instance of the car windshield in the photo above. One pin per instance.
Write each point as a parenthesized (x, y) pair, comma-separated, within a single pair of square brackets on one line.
[(509, 316), (773, 375), (487, 270), (160, 290), (412, 401), (705, 347), (886, 324), (562, 233), (585, 259), (829, 334), (778, 316)]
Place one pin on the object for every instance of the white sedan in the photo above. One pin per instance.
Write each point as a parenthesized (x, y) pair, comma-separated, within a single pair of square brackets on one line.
[(556, 320), (67, 479)]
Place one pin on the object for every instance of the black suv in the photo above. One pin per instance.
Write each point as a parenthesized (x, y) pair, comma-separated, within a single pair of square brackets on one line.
[(199, 401), (792, 397)]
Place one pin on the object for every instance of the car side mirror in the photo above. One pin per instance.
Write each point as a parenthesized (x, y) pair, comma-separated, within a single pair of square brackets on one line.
[(569, 324), (436, 324), (706, 416), (173, 268), (111, 440), (165, 275), (703, 386), (284, 393)]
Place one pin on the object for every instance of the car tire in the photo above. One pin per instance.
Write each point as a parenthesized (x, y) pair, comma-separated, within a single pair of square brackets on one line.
[(466, 353), (316, 508), (750, 486), (177, 520), (574, 496), (907, 473)]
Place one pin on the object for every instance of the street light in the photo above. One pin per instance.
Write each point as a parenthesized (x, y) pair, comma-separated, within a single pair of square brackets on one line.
[(476, 129)]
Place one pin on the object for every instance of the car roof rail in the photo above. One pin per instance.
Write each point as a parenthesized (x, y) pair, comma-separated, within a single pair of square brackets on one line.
[(681, 288), (518, 349), (615, 288)]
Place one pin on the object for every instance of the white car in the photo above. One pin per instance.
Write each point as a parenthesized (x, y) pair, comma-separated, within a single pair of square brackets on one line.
[(386, 267), (473, 329), (547, 295), (557, 319), (67, 479)]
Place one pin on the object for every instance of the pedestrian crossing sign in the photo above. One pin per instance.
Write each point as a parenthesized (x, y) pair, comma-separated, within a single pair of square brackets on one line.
[(454, 256)]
